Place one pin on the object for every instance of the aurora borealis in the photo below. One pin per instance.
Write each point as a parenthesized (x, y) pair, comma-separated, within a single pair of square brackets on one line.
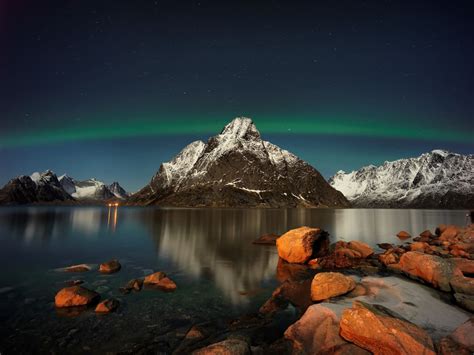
[(112, 88)]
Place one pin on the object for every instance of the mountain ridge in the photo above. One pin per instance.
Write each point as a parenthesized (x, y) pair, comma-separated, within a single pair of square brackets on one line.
[(437, 179)]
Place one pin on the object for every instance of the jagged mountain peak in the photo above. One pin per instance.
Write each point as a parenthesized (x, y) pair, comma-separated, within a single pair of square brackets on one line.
[(240, 128), (237, 168)]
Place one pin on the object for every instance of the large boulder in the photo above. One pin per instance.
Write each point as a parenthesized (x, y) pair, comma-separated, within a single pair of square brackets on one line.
[(460, 342), (301, 244), (433, 269), (381, 331), (226, 347), (75, 296), (330, 284), (317, 332), (161, 281), (110, 267)]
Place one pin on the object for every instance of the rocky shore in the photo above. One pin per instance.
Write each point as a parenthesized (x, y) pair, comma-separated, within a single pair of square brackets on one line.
[(415, 295)]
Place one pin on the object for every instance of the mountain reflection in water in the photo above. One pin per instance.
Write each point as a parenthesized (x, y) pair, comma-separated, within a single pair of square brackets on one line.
[(202, 244)]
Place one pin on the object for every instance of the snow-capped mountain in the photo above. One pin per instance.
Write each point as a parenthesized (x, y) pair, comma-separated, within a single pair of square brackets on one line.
[(91, 189), (238, 168), (44, 187), (438, 179), (47, 187)]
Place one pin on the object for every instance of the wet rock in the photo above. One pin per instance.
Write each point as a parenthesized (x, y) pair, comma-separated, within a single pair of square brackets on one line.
[(292, 272), (426, 234), (132, 285), (77, 268), (298, 293), (226, 347), (462, 284), (362, 248), (419, 246), (430, 268), (160, 280), (385, 246), (267, 239), (381, 331), (107, 306), (403, 235), (75, 296), (301, 244), (74, 282), (460, 342), (195, 333), (449, 233), (330, 284), (110, 267), (389, 257), (317, 332)]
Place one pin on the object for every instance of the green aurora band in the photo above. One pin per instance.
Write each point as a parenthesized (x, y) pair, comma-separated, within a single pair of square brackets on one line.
[(147, 127)]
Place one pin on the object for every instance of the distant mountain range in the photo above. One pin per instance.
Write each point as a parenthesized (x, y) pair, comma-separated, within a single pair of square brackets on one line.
[(234, 169), (46, 187), (438, 179)]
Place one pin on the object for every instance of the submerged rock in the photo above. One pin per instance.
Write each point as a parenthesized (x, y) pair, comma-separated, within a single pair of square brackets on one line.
[(132, 285), (77, 268), (110, 267), (226, 347), (317, 332), (330, 284), (300, 244), (379, 330), (267, 239), (107, 306), (161, 281), (75, 296)]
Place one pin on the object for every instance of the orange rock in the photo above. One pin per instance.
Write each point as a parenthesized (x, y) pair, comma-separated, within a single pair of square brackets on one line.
[(330, 284), (110, 267), (419, 246), (78, 268), (465, 265), (107, 306), (195, 333), (226, 347), (317, 332), (300, 244), (403, 235), (449, 233), (433, 269), (377, 329), (75, 296), (364, 249), (160, 280)]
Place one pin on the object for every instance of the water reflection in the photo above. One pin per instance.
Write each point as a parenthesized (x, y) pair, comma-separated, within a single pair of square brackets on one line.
[(211, 244)]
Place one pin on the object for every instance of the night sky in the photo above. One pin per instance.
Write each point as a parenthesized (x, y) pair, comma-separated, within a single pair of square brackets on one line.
[(110, 89)]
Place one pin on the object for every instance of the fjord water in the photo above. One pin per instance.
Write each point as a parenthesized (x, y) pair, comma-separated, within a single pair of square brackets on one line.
[(208, 252)]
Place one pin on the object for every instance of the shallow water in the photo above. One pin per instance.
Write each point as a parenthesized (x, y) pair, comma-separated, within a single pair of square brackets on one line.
[(208, 252)]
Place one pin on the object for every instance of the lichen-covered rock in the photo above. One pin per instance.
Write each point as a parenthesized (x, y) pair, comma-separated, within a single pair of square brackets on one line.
[(330, 284), (317, 332), (300, 244), (377, 329), (75, 296)]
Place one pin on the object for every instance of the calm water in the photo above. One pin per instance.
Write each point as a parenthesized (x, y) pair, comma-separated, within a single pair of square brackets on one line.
[(208, 252)]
